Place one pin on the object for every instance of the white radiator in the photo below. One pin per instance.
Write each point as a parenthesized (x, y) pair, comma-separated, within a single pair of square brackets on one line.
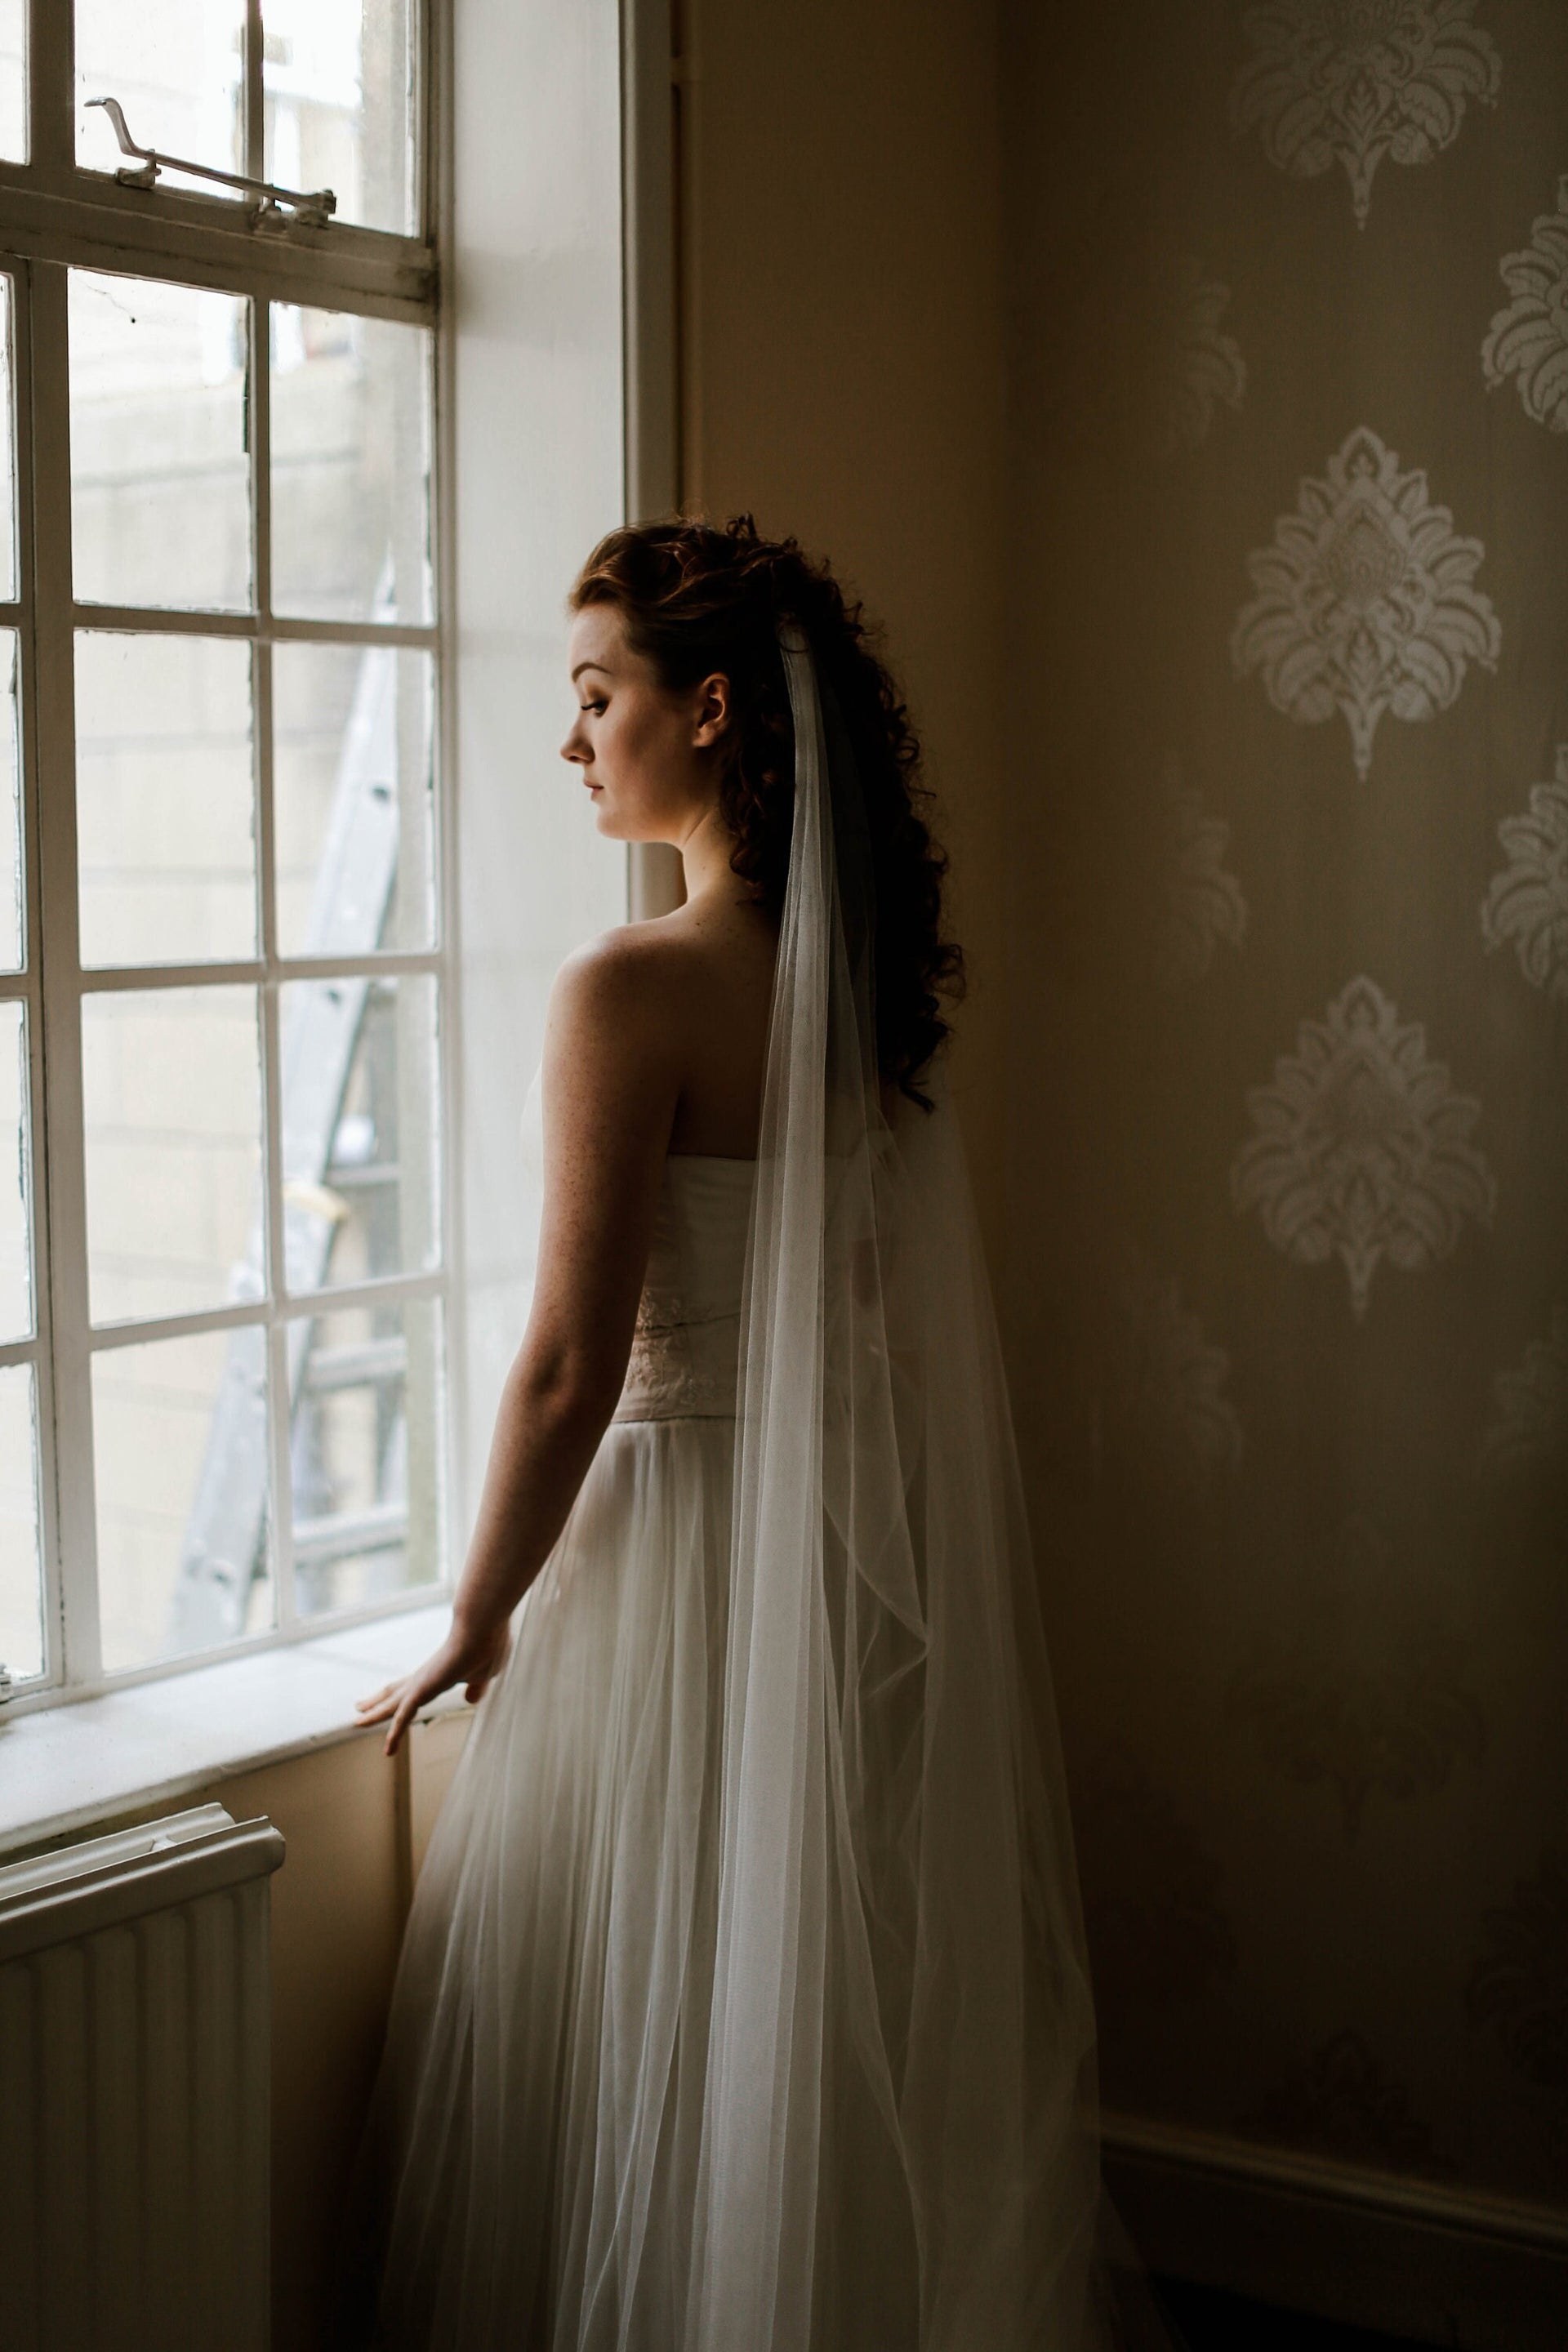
[(134, 2064)]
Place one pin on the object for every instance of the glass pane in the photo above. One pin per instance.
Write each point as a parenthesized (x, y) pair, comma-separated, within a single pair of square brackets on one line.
[(16, 1218), (350, 467), (160, 485), (13, 932), (341, 106), (172, 1106), (7, 440), (165, 831), (352, 810), (178, 71), (360, 1132), (366, 1454), (13, 80), (21, 1539), (179, 1440)]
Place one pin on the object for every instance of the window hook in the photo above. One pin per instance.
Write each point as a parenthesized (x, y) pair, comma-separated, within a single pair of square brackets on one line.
[(270, 202)]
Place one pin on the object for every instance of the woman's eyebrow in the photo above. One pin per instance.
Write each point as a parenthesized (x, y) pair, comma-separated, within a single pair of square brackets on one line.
[(591, 665)]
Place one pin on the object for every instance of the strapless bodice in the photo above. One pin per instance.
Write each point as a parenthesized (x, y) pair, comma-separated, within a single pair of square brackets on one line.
[(685, 1349)]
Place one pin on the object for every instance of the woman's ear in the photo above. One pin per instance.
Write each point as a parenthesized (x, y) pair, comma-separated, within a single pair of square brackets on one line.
[(712, 711)]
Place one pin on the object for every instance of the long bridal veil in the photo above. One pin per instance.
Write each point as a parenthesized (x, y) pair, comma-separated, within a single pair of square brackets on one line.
[(899, 2142)]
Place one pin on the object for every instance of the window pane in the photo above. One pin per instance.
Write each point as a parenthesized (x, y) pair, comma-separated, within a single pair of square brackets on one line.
[(360, 1139), (179, 1457), (339, 105), (165, 831), (13, 932), (366, 1454), (160, 487), (13, 80), (350, 467), (7, 439), (15, 1185), (178, 71), (172, 1106), (21, 1542), (352, 812)]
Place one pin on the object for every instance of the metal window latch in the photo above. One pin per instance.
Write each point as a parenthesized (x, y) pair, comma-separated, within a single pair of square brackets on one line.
[(269, 202)]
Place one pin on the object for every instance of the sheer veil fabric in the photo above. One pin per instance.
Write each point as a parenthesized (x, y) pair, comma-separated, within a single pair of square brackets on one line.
[(781, 2039), (900, 2143)]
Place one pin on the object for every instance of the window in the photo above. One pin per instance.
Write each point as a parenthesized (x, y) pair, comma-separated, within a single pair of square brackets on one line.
[(222, 954)]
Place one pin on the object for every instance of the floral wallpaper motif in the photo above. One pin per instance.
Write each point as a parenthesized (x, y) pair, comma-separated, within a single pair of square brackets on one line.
[(1293, 1009), (1352, 81), (1340, 2102), (1173, 1380), (1203, 902), (1366, 1698), (1519, 1984), (1360, 1147), (1207, 369), (1530, 339), (1531, 1425), (1364, 602), (1528, 902)]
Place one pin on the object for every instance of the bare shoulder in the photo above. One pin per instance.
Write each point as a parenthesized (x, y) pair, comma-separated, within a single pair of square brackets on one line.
[(637, 971), (673, 1011)]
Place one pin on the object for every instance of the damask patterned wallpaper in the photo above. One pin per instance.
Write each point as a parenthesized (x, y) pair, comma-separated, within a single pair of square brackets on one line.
[(1287, 715)]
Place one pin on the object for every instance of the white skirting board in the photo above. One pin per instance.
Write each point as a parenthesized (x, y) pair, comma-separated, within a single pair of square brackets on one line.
[(135, 2057), (1364, 2248)]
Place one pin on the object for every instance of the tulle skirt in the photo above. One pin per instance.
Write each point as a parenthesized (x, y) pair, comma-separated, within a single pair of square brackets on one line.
[(538, 2119), (531, 2171)]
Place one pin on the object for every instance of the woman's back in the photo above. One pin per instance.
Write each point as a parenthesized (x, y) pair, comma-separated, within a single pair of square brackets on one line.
[(711, 968)]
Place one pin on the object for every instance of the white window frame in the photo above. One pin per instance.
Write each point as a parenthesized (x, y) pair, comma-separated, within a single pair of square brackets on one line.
[(54, 216)]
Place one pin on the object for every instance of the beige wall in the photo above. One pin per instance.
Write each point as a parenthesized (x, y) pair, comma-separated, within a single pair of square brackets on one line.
[(842, 378), (356, 1828), (338, 1905)]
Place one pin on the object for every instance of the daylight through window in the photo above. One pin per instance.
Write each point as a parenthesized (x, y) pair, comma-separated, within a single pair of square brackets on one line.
[(223, 979)]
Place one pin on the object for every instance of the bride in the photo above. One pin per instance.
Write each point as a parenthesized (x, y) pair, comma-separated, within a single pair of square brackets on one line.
[(744, 2005)]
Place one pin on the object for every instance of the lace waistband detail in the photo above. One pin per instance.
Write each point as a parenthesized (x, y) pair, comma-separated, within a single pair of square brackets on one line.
[(680, 1367)]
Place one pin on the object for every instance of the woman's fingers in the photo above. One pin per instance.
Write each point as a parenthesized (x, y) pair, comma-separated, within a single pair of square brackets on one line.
[(409, 1706), (397, 1703)]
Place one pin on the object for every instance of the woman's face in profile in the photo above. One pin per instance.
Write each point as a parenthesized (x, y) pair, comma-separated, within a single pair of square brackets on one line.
[(644, 752)]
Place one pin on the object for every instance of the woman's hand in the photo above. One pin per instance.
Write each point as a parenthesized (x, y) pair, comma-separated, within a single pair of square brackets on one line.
[(473, 1659)]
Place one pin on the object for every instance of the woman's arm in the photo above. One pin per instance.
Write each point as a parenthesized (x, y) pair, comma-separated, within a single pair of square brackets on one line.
[(611, 1084)]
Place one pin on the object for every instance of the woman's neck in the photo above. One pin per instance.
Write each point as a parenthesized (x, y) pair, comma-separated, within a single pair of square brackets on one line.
[(705, 855)]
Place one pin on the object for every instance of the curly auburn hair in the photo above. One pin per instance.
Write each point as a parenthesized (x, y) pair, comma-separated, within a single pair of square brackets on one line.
[(696, 599)]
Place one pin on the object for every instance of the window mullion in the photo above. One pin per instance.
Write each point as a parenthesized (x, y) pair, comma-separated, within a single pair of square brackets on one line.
[(54, 689), (51, 72), (28, 984), (255, 98), (278, 1393)]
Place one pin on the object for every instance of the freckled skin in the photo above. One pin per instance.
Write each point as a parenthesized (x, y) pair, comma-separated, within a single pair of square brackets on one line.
[(656, 1040)]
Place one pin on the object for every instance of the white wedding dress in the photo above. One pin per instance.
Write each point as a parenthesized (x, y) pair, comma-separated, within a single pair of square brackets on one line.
[(742, 2006), (570, 1888)]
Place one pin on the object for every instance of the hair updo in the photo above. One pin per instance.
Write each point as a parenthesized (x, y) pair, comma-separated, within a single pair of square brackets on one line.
[(696, 599)]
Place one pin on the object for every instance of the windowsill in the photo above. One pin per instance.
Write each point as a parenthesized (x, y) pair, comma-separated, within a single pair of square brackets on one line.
[(66, 1768)]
